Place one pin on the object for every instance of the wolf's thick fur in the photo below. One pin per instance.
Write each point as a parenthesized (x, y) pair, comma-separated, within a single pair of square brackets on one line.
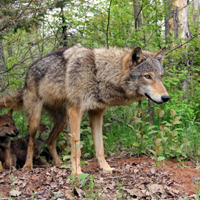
[(76, 80)]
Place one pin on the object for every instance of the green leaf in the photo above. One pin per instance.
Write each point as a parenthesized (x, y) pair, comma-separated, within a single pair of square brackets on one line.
[(84, 163), (151, 127), (168, 124), (104, 137), (161, 113), (66, 167), (82, 176), (160, 158), (106, 124), (136, 144), (151, 132), (173, 112), (129, 125), (67, 157)]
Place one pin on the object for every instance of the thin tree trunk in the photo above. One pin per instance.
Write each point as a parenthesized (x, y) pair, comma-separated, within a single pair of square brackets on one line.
[(108, 24), (180, 26), (2, 61), (2, 67), (137, 14), (64, 28), (168, 4), (196, 15)]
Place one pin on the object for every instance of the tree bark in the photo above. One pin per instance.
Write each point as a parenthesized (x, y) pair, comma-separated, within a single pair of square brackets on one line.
[(196, 15), (180, 26), (2, 61), (137, 14), (108, 24), (2, 66), (64, 28), (168, 5)]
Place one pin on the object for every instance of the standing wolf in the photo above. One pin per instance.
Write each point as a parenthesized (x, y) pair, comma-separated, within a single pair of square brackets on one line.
[(76, 80)]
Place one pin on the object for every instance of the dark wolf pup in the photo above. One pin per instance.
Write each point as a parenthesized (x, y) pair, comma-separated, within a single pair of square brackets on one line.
[(13, 152), (19, 147), (76, 80), (7, 130)]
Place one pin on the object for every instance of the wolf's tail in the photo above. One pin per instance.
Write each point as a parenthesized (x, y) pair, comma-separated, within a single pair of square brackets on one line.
[(13, 101)]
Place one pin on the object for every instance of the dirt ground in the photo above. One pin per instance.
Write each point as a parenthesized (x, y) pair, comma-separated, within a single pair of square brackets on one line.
[(134, 178)]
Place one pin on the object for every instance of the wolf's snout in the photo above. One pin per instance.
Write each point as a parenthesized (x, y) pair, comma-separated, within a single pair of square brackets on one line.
[(16, 132), (165, 98)]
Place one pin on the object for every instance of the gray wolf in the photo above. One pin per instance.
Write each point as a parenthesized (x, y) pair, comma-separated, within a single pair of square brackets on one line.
[(76, 80), (7, 130)]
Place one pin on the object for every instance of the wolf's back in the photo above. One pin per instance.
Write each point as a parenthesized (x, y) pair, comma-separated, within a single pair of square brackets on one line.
[(13, 101)]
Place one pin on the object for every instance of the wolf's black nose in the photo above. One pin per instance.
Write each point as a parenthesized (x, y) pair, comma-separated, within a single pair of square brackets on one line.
[(16, 132), (165, 98)]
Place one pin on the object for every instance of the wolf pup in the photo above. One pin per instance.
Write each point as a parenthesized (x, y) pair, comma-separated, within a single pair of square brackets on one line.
[(19, 147), (7, 130), (76, 80)]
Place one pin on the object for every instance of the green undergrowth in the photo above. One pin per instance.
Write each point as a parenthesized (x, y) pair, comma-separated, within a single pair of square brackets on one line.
[(174, 134)]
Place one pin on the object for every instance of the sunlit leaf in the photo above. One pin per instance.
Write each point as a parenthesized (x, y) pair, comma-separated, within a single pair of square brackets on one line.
[(173, 112), (161, 113)]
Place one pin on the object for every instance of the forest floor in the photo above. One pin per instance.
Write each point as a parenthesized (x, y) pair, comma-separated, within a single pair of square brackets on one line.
[(134, 178)]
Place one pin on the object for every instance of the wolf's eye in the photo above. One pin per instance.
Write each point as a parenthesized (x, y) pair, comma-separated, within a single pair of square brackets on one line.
[(147, 76), (6, 125)]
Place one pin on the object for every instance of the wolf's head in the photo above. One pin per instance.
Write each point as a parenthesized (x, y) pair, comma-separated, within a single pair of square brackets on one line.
[(7, 125), (146, 69)]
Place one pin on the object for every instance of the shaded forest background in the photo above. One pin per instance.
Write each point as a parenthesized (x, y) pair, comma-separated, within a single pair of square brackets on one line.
[(31, 29)]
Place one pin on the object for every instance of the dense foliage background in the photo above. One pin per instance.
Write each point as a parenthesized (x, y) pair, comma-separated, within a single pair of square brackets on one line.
[(30, 29)]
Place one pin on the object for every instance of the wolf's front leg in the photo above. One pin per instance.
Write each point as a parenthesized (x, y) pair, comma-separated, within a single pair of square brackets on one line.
[(96, 119), (1, 167), (8, 162), (75, 122)]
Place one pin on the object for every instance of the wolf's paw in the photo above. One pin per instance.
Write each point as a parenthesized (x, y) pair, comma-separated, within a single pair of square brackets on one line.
[(79, 172), (27, 167), (59, 162), (108, 170)]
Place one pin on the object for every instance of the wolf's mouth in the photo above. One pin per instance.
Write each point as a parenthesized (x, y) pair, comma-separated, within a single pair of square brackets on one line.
[(152, 99), (11, 135)]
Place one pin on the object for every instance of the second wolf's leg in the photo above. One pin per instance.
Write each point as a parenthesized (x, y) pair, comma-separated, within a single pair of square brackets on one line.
[(40, 161), (60, 120), (96, 119), (1, 167), (34, 116), (75, 123), (9, 161)]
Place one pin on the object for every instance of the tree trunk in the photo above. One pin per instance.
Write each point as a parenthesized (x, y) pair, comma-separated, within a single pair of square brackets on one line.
[(2, 61), (108, 24), (168, 5), (2, 67), (64, 28), (196, 15), (137, 14), (180, 26)]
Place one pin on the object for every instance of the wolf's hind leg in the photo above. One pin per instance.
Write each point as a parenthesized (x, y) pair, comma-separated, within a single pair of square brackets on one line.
[(60, 120), (34, 117), (96, 119)]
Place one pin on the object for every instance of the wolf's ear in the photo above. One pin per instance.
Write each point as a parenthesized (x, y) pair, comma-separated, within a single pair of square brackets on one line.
[(10, 113), (137, 55), (160, 54), (132, 59)]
